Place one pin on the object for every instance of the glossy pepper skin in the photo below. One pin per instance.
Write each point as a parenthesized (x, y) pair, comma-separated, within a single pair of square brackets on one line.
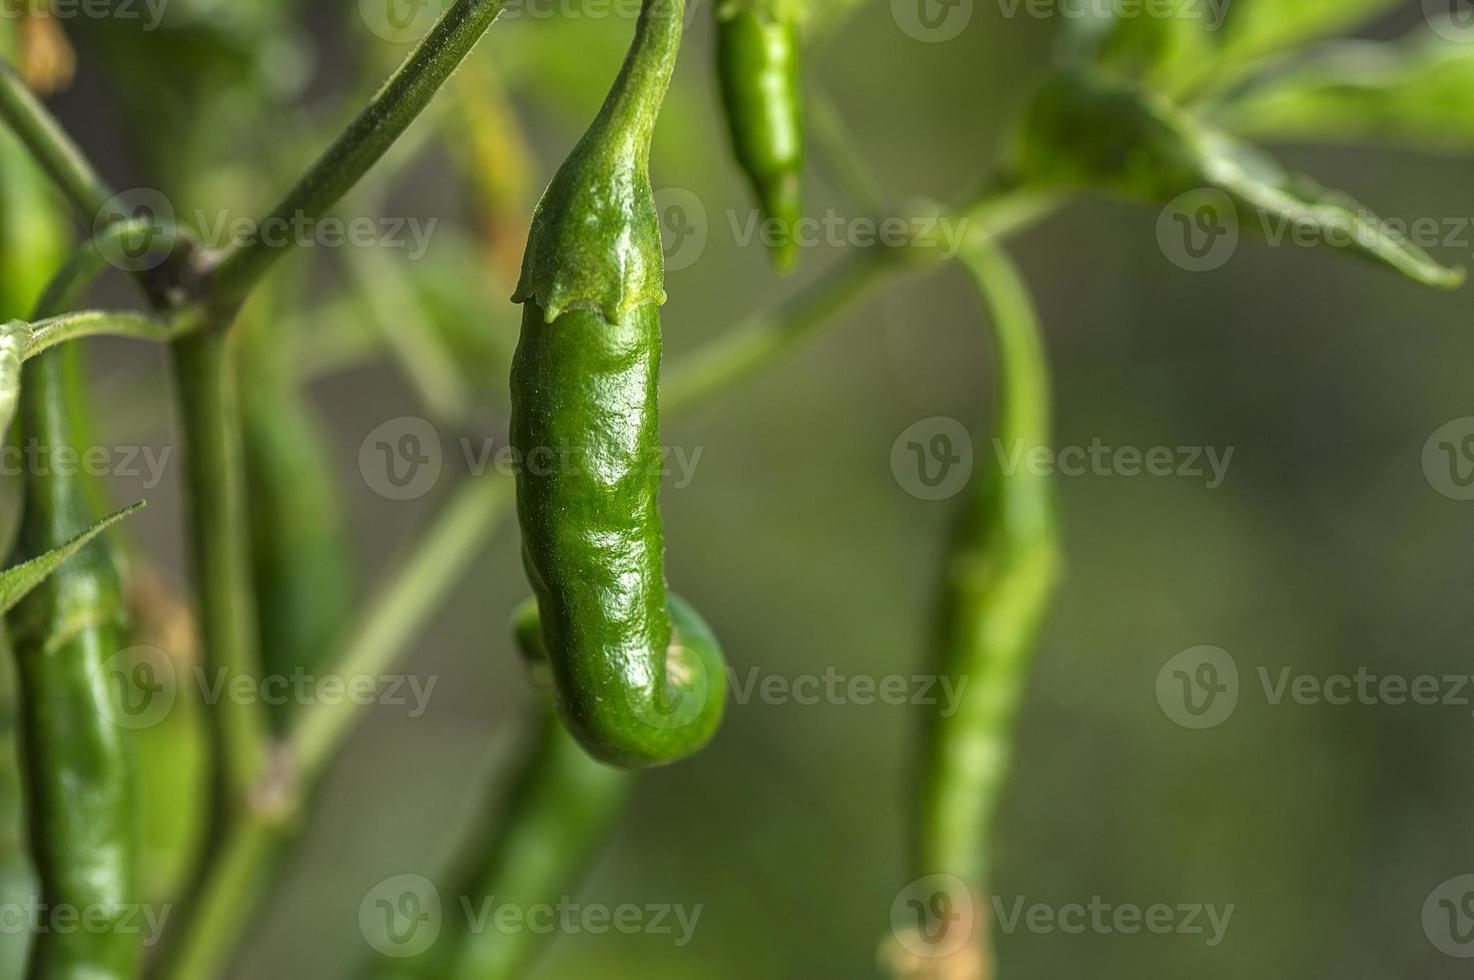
[(635, 686), (79, 768), (758, 63)]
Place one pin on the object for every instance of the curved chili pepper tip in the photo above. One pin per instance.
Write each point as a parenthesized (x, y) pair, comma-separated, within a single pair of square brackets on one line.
[(759, 52)]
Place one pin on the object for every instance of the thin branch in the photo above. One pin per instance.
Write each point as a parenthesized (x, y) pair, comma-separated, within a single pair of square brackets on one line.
[(363, 143), (842, 156), (998, 212), (49, 333), (762, 339), (61, 159), (399, 610)]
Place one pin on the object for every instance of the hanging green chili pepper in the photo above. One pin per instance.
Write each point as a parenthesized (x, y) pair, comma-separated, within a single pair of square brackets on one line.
[(32, 245), (758, 62), (1001, 572), (79, 769), (634, 687), (299, 535)]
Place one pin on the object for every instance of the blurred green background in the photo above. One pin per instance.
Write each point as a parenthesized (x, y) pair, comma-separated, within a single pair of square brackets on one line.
[(1325, 550)]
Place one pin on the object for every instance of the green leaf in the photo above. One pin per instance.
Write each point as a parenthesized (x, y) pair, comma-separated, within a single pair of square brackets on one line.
[(1416, 91), (1253, 29), (16, 583), (1181, 46), (1085, 132), (1162, 50)]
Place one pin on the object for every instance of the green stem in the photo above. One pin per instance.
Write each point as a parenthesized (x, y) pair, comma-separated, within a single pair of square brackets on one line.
[(220, 551), (999, 577), (750, 346), (398, 611), (363, 143), (998, 212), (227, 897), (48, 333), (844, 158), (240, 870), (51, 147), (386, 299)]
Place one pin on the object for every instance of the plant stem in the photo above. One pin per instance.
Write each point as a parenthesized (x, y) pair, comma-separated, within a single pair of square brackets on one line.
[(48, 333), (220, 910), (398, 611), (219, 549), (223, 904), (748, 347), (999, 211), (361, 145), (219, 546), (845, 159), (52, 148)]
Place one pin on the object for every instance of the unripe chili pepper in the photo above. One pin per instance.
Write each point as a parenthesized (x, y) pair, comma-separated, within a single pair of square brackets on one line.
[(17, 875), (758, 63), (79, 769), (299, 537), (32, 245), (635, 687), (1000, 574)]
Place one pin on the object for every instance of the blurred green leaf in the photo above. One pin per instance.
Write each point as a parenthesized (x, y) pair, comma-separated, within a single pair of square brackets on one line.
[(1160, 50), (1253, 29), (1178, 45), (1415, 91), (1085, 132)]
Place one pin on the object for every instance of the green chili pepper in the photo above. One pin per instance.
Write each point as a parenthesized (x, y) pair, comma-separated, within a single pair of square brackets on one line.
[(299, 544), (17, 876), (32, 245), (1001, 572), (79, 769), (758, 62), (634, 687)]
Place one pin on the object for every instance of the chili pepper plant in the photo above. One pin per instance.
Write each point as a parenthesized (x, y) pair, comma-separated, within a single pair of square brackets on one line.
[(109, 806)]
